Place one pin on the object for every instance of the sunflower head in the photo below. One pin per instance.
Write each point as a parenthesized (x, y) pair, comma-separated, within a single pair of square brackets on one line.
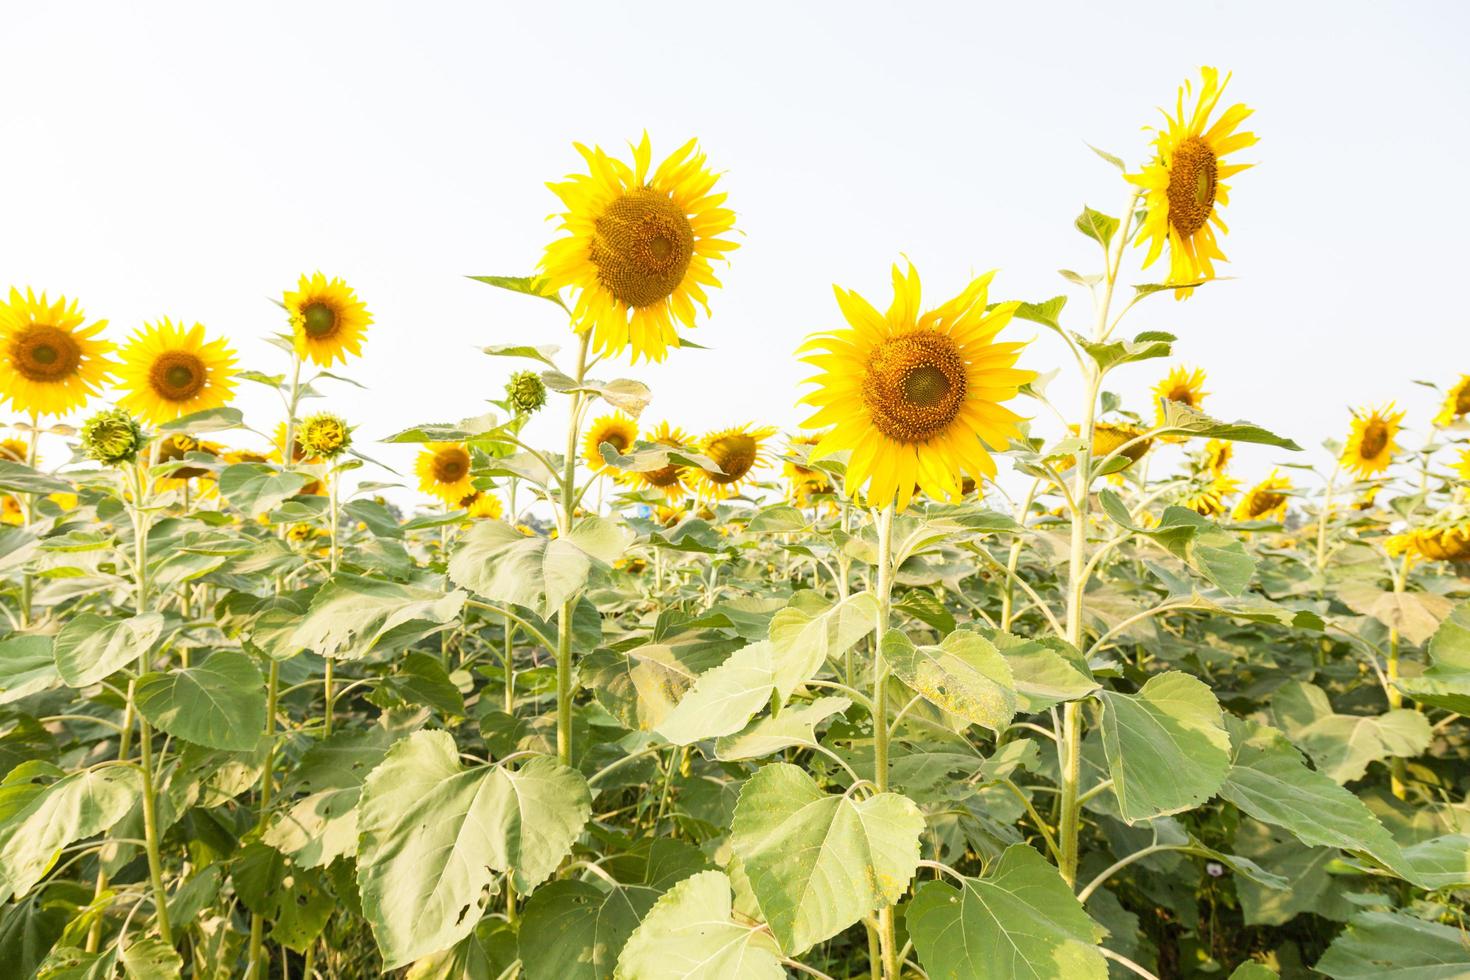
[(1446, 543), (324, 435), (443, 470), (1182, 384), (328, 321), (915, 396), (176, 447), (617, 430), (11, 512), (13, 449), (50, 363), (168, 371), (526, 392), (1109, 437), (1456, 402), (638, 246), (804, 481), (1210, 498), (739, 452), (1371, 442), (1184, 186), (1266, 501), (112, 437), (479, 504), (1218, 453), (671, 480)]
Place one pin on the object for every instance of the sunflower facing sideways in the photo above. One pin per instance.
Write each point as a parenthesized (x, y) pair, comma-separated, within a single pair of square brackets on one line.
[(479, 504), (1210, 498), (671, 480), (168, 371), (1182, 384), (738, 452), (617, 430), (50, 363), (1266, 501), (328, 321), (1456, 402), (916, 397), (638, 247), (804, 480), (1370, 445), (1184, 187), (443, 469)]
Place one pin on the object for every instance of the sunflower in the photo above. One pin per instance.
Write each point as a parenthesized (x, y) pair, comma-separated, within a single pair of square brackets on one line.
[(916, 397), (443, 470), (168, 371), (1182, 384), (804, 481), (478, 503), (328, 321), (1443, 542), (638, 248), (1218, 453), (10, 510), (1184, 186), (1456, 402), (49, 363), (177, 447), (298, 452), (1463, 467), (1109, 437), (669, 516), (1370, 445), (617, 430), (13, 449), (1209, 499), (672, 480), (738, 452), (1266, 501)]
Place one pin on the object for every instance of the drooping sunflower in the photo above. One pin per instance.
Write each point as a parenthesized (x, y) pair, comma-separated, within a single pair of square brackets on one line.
[(1371, 445), (328, 321), (1211, 497), (617, 430), (638, 247), (1447, 539), (177, 447), (915, 396), (443, 470), (738, 452), (50, 363), (672, 480), (1184, 186), (1108, 437), (1456, 402), (13, 449), (478, 504), (1266, 501), (168, 371)]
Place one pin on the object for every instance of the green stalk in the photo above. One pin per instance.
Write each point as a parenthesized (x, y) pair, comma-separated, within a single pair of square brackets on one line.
[(887, 936), (564, 621), (145, 732), (28, 510), (334, 557)]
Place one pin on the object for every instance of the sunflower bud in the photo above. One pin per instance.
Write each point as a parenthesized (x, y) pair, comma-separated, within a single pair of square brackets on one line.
[(324, 435), (525, 392), (113, 437)]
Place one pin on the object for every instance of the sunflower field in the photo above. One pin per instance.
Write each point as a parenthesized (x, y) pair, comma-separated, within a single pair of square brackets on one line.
[(956, 681)]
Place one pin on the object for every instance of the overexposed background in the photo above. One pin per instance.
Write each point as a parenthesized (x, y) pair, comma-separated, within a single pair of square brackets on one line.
[(191, 160)]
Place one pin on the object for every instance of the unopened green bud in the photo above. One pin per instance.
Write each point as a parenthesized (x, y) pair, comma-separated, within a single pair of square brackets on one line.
[(525, 392), (113, 437)]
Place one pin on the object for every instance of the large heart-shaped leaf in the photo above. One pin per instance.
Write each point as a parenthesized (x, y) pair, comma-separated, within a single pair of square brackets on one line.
[(803, 639), (48, 818), (90, 647), (352, 615), (322, 826), (433, 836), (219, 703), (723, 700), (817, 862), (27, 666), (965, 675), (690, 934), (1018, 921), (498, 562), (1395, 946)]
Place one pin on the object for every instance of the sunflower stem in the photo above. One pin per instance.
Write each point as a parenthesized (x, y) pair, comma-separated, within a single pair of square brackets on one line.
[(28, 510), (334, 557), (564, 623), (883, 590)]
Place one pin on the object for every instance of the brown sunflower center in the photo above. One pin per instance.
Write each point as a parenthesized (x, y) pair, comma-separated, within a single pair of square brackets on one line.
[(319, 320), (735, 454), (1462, 401), (665, 477), (914, 386), (1375, 439), (451, 465), (1192, 179), (177, 376), (41, 352), (1264, 501), (642, 247), (615, 439), (1183, 394)]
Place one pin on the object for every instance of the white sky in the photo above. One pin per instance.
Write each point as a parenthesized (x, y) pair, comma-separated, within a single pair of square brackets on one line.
[(191, 160)]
